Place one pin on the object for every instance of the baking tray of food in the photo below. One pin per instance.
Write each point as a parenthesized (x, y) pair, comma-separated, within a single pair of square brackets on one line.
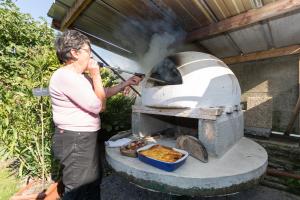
[(130, 149), (162, 157)]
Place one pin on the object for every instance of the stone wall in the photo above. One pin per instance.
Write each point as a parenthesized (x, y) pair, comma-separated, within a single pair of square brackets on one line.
[(275, 83), (284, 156)]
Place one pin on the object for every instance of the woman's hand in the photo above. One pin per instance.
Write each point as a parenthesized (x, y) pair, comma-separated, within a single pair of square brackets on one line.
[(93, 67), (94, 71), (134, 80)]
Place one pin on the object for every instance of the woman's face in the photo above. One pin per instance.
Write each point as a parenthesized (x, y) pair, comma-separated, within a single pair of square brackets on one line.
[(83, 56)]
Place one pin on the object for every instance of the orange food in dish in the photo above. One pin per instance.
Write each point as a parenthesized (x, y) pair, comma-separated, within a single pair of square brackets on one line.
[(162, 153)]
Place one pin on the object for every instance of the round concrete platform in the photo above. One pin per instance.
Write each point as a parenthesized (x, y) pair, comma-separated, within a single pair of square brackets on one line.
[(240, 168)]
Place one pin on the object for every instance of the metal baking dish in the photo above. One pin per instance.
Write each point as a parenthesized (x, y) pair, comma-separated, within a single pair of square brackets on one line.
[(167, 166)]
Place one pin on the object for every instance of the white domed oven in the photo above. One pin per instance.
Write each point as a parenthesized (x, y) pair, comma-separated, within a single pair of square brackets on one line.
[(193, 80), (193, 85), (193, 93)]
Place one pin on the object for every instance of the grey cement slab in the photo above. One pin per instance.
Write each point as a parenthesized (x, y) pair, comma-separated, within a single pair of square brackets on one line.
[(250, 39), (220, 135), (258, 116), (284, 29), (241, 167), (115, 187), (276, 78), (259, 112), (220, 45)]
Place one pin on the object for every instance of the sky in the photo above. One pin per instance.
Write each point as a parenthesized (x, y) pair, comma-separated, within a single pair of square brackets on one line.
[(36, 8), (39, 8)]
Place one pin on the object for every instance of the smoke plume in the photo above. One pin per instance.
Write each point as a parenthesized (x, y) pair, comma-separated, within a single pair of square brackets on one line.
[(152, 40)]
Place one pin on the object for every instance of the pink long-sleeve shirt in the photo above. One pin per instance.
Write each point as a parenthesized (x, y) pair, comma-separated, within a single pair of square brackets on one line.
[(75, 106)]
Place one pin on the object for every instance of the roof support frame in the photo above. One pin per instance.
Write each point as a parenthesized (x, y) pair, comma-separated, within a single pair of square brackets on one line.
[(250, 17), (77, 8), (214, 17), (272, 53), (267, 33)]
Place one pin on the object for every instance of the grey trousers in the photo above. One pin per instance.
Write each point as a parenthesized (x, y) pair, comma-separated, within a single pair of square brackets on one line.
[(78, 155)]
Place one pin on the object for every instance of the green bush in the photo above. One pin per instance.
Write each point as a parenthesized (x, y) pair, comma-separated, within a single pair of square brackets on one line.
[(27, 60), (293, 185), (117, 116)]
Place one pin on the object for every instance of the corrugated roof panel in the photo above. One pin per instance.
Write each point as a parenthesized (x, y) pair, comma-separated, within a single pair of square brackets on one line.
[(250, 39), (85, 24), (147, 16), (130, 42), (235, 7), (183, 20), (189, 13), (107, 17), (268, 1), (219, 9), (193, 10), (141, 9), (57, 12), (113, 26), (68, 3), (220, 46), (286, 30), (227, 8), (247, 4), (95, 28)]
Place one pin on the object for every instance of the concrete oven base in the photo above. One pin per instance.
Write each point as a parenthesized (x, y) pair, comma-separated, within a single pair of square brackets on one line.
[(217, 130), (239, 168)]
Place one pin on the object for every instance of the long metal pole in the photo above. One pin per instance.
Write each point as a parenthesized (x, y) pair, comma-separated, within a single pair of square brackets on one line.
[(133, 73), (43, 144), (104, 62)]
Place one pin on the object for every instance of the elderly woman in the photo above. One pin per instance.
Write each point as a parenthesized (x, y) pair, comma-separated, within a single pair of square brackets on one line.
[(77, 99)]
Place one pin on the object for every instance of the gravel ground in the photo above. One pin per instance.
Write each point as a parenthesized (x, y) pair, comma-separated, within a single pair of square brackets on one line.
[(115, 187)]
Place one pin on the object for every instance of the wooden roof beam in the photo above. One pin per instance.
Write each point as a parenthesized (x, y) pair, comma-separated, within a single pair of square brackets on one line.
[(285, 51), (250, 17), (77, 8)]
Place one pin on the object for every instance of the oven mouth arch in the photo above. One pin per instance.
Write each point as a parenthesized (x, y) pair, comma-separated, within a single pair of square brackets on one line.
[(165, 73)]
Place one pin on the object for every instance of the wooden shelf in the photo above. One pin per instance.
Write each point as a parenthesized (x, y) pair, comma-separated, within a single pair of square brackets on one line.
[(197, 113)]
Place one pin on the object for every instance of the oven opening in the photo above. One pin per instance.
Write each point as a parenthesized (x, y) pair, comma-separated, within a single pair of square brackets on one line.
[(165, 73), (171, 126)]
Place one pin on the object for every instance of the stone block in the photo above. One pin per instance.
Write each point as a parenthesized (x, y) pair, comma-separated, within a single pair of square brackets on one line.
[(259, 112), (218, 136)]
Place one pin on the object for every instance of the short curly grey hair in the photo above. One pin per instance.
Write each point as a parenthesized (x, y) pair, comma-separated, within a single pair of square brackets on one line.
[(70, 39)]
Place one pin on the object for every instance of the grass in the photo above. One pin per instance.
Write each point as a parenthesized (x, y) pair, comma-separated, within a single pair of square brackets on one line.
[(8, 183)]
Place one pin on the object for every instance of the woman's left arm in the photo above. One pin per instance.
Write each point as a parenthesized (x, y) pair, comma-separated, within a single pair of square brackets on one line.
[(134, 80)]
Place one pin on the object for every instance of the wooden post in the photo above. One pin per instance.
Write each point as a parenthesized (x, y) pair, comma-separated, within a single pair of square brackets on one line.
[(299, 87), (259, 55), (43, 144), (297, 107), (276, 172)]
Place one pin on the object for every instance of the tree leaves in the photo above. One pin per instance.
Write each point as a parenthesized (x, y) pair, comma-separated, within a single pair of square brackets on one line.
[(27, 60)]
